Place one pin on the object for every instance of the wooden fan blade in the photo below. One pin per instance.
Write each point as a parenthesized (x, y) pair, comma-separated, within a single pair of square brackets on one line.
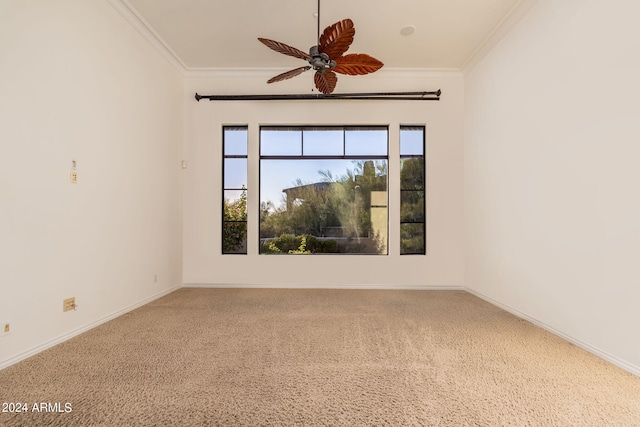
[(288, 74), (325, 82), (285, 49), (357, 64), (336, 39)]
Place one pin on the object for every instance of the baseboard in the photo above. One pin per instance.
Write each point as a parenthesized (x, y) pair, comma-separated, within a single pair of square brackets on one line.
[(324, 286), (591, 349), (602, 354), (22, 356)]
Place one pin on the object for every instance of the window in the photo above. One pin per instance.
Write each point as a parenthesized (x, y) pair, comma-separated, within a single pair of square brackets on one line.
[(234, 171), (323, 190), (412, 190)]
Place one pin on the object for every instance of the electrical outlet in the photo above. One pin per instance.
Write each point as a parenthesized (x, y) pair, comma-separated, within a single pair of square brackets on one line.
[(73, 177), (155, 278), (69, 304), (6, 328)]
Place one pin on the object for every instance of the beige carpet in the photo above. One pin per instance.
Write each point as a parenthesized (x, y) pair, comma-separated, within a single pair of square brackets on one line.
[(201, 357)]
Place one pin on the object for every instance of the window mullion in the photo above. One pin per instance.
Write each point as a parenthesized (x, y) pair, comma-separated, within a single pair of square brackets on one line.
[(253, 197)]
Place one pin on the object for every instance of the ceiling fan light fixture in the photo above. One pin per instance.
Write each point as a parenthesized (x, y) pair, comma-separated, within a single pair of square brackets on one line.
[(407, 30)]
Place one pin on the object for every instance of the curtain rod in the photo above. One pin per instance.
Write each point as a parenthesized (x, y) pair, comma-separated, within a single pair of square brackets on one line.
[(396, 96)]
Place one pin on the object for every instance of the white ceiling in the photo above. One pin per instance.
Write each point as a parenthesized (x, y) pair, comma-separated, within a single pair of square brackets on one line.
[(222, 34)]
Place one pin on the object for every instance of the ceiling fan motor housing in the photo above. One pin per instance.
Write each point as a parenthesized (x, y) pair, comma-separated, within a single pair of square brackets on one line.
[(320, 61)]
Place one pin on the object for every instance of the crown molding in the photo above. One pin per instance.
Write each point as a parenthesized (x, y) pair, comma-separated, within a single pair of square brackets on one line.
[(517, 12), (144, 28), (130, 14)]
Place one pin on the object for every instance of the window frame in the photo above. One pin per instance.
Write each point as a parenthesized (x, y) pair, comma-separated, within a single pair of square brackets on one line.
[(342, 156), (423, 190), (226, 156)]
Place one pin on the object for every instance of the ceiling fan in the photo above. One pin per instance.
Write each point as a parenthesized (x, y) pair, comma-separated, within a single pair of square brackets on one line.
[(328, 57)]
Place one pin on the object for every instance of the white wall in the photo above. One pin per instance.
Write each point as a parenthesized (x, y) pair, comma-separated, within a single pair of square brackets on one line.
[(551, 173), (443, 264), (78, 82)]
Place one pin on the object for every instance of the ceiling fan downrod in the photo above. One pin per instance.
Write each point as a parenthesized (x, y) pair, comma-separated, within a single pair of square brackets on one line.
[(318, 39), (320, 61)]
